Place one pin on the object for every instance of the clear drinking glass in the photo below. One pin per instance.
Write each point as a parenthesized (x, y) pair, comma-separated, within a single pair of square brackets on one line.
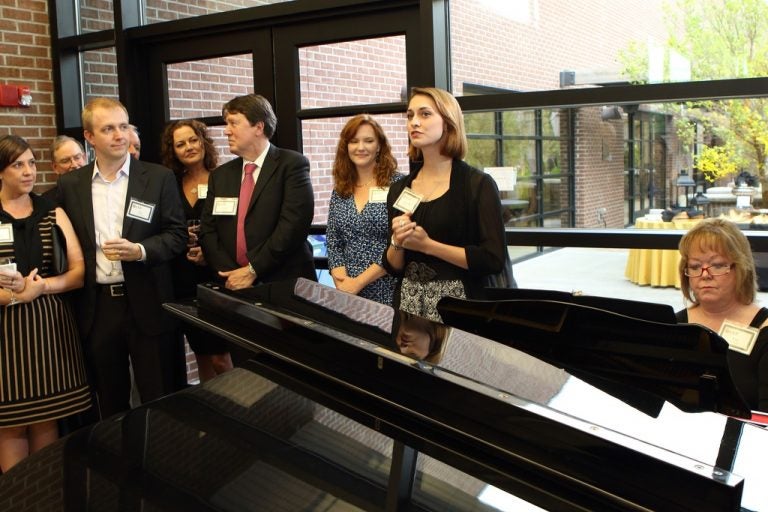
[(111, 254), (193, 229)]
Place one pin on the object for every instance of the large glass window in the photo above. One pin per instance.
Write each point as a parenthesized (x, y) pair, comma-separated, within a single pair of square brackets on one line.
[(200, 88), (342, 74), (535, 45), (353, 73), (528, 157), (96, 15), (99, 74)]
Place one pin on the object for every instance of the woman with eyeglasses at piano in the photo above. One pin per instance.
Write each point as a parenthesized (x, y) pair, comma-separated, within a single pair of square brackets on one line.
[(718, 279)]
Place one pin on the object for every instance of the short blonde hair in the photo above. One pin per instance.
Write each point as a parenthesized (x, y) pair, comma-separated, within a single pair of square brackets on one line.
[(725, 238), (454, 136), (105, 103)]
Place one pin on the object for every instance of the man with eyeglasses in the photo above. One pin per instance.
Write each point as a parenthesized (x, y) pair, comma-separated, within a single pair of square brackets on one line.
[(67, 154)]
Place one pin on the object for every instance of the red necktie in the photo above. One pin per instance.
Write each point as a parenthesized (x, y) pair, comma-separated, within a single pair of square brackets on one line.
[(246, 191)]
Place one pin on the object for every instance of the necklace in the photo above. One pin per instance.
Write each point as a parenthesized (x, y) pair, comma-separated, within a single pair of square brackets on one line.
[(437, 184), (194, 189)]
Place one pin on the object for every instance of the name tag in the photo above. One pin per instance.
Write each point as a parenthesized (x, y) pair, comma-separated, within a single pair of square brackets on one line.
[(740, 338), (202, 191), (225, 206), (408, 201), (140, 210), (6, 234), (378, 194)]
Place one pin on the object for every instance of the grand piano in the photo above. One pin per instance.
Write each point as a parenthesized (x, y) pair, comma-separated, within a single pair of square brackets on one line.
[(333, 408)]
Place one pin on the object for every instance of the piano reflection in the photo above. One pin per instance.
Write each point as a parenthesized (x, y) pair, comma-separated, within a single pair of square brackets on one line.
[(332, 412)]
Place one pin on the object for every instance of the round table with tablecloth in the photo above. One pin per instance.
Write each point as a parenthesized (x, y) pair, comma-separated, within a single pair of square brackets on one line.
[(656, 267)]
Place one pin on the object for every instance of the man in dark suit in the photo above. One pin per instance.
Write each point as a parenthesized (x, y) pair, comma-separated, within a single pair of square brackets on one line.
[(129, 219), (264, 198)]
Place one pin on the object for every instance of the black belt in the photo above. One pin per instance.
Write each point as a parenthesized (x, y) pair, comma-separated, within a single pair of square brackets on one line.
[(113, 290)]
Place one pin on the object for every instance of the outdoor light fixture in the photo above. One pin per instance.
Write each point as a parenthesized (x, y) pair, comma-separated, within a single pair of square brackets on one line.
[(610, 113), (685, 182)]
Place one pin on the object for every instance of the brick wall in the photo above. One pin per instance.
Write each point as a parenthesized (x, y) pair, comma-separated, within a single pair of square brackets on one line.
[(163, 10), (25, 59)]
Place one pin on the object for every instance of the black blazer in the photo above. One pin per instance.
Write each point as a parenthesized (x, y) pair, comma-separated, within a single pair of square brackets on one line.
[(277, 221), (148, 283)]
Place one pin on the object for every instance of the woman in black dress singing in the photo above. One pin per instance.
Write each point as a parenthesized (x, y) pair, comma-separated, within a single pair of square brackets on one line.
[(189, 152), (454, 238), (42, 373)]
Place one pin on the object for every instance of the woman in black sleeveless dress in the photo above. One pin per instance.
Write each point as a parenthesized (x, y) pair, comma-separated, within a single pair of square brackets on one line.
[(42, 372)]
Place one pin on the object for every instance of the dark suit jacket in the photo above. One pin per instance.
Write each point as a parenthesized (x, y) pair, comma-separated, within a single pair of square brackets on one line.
[(277, 221), (148, 283)]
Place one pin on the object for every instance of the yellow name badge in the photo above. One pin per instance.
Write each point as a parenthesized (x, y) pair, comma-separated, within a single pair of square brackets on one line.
[(740, 338)]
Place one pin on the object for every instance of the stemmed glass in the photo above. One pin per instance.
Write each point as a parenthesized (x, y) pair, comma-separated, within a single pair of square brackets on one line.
[(111, 254)]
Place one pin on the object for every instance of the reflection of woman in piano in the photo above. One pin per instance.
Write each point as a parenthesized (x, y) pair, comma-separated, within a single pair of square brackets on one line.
[(420, 338), (455, 236), (358, 231), (717, 275)]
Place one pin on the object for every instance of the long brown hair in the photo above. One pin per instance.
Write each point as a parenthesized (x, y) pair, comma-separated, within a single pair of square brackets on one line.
[(170, 160), (345, 172)]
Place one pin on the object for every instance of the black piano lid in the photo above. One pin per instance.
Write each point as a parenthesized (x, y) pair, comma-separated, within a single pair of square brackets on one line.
[(533, 386), (685, 364), (663, 313)]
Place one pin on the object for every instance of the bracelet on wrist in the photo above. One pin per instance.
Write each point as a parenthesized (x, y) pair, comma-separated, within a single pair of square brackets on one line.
[(251, 270), (13, 300), (397, 247)]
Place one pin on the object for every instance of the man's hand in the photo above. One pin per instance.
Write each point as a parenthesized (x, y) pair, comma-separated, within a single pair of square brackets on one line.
[(238, 279), (121, 249), (195, 255)]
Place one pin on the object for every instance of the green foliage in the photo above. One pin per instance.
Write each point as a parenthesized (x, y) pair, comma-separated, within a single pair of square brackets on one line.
[(721, 39)]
